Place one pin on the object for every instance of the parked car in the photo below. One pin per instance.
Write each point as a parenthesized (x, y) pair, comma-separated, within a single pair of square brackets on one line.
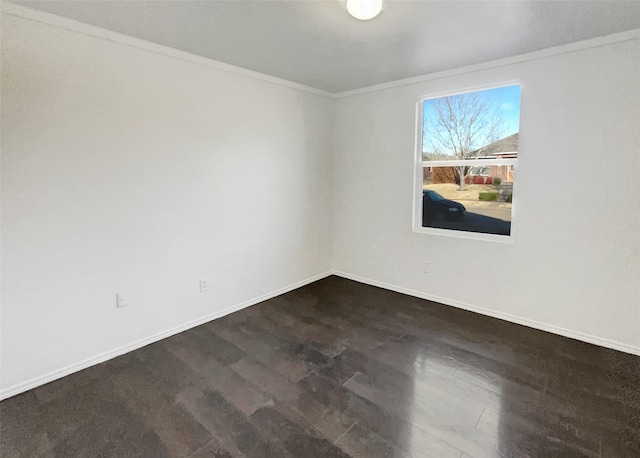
[(434, 206)]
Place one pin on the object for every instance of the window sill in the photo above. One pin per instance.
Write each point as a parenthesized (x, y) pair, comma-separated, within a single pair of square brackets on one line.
[(508, 239)]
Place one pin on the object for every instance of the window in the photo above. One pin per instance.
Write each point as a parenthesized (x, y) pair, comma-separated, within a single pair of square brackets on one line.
[(484, 171), (466, 163)]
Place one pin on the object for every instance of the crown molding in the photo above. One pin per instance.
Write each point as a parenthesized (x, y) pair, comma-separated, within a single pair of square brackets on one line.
[(98, 32), (86, 29), (535, 55)]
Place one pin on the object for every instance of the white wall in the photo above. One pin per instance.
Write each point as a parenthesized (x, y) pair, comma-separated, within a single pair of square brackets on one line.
[(127, 170), (574, 266)]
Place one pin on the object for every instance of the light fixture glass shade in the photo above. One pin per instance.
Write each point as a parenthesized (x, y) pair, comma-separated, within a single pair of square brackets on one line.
[(364, 9)]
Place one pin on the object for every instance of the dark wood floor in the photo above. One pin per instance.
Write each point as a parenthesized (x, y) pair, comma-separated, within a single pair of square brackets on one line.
[(340, 369)]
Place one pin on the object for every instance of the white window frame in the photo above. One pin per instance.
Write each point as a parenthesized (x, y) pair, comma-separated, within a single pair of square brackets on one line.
[(419, 165)]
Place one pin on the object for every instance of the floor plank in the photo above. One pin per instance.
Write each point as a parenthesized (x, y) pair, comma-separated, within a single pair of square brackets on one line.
[(338, 368)]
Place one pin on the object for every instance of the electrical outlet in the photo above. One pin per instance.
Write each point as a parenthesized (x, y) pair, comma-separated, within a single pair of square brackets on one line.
[(427, 267), (121, 300), (204, 284)]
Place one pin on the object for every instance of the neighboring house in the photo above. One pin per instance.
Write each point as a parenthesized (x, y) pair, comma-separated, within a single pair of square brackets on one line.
[(505, 148)]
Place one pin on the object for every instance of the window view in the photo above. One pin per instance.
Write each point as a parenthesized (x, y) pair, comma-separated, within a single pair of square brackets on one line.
[(469, 156)]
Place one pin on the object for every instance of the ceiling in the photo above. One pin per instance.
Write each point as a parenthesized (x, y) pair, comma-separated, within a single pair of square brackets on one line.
[(316, 43)]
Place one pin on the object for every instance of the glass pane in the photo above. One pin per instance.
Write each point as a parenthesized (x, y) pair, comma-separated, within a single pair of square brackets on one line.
[(484, 205), (474, 125)]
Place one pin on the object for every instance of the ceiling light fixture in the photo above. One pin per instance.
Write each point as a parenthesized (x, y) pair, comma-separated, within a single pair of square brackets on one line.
[(364, 9)]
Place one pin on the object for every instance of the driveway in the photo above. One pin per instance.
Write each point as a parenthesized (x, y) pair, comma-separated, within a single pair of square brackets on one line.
[(494, 211), (485, 220)]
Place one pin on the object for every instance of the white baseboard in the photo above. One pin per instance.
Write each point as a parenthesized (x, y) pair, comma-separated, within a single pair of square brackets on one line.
[(626, 348), (51, 376)]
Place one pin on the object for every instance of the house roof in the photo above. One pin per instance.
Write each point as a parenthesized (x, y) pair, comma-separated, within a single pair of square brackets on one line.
[(498, 148)]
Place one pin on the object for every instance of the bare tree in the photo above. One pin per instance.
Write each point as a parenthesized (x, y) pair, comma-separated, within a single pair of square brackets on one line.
[(459, 126)]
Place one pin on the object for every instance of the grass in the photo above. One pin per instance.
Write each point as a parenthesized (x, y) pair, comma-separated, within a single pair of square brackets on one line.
[(488, 196)]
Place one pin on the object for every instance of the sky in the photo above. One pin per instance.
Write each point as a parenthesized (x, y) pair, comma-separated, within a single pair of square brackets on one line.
[(506, 101)]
